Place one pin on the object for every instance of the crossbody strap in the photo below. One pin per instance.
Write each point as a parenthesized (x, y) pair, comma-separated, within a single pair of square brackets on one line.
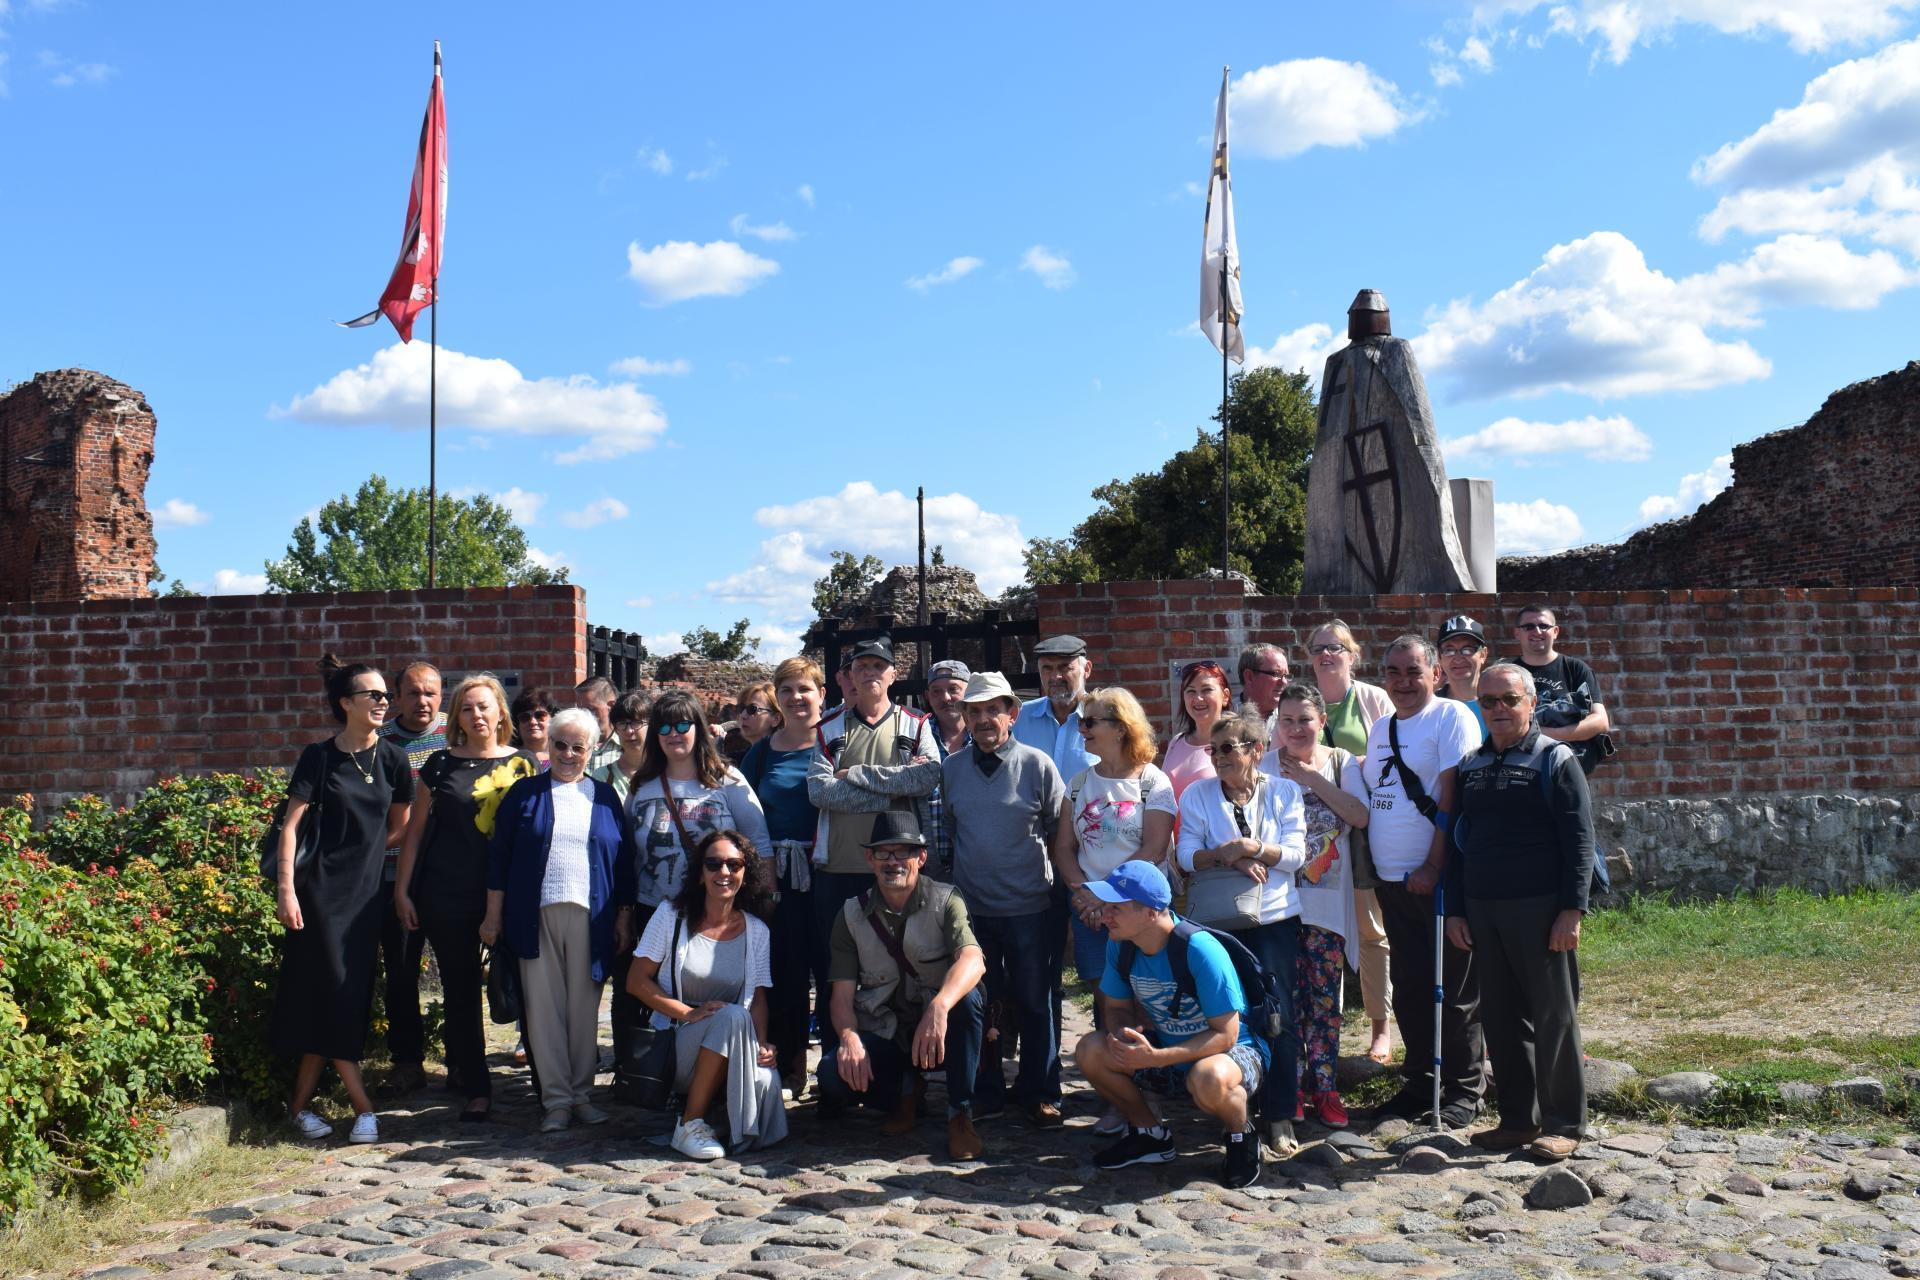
[(887, 940)]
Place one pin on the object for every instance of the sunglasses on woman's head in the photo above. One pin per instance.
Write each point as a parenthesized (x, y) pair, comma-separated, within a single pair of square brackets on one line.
[(675, 727)]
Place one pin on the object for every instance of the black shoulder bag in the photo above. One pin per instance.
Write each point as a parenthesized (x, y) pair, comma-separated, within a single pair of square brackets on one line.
[(306, 845)]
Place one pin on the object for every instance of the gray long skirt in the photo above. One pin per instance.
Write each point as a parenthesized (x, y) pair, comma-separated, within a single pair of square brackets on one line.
[(756, 1113)]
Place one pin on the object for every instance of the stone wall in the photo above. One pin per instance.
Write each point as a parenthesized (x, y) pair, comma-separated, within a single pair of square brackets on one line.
[(1829, 503), (75, 449), (1766, 735), (116, 693)]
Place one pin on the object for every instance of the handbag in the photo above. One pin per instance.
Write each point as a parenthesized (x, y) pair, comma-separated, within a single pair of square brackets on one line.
[(1223, 898), (644, 1077), (504, 1002), (306, 844)]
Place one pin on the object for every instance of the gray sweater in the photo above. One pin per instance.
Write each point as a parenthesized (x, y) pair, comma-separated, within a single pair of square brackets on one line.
[(1001, 825)]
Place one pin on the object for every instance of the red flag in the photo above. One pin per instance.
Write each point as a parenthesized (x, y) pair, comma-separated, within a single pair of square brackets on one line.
[(411, 287)]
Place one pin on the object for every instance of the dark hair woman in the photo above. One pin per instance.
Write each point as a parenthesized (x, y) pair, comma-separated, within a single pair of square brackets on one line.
[(713, 944), (533, 712), (356, 787)]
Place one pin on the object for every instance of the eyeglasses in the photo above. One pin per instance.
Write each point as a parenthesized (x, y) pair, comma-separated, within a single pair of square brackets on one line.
[(1324, 650), (1271, 675), (733, 866), (893, 855), (674, 728), (541, 716), (371, 695), (1225, 750), (1087, 722), (1536, 626), (751, 710), (1492, 700), (557, 747), (1460, 650)]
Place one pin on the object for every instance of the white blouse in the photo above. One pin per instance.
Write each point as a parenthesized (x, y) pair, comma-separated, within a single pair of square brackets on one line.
[(1275, 815), (567, 879)]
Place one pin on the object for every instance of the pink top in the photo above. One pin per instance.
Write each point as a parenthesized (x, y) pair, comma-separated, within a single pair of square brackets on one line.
[(1186, 765)]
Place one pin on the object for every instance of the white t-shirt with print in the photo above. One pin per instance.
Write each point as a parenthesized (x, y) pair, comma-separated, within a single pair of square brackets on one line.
[(1109, 815), (1432, 741)]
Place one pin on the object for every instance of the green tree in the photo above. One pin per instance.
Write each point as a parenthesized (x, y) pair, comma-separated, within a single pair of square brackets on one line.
[(1166, 524), (846, 577), (705, 642), (376, 540)]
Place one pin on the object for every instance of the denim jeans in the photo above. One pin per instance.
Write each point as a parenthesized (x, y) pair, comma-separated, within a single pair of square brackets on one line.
[(966, 1029), (1277, 947), (1018, 951), (795, 978)]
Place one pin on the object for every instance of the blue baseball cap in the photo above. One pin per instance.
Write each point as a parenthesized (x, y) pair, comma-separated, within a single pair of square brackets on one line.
[(1134, 881)]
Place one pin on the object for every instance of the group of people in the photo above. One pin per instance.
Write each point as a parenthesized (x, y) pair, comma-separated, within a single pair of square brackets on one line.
[(908, 885)]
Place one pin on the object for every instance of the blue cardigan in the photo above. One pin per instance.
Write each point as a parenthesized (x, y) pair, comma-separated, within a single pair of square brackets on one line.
[(517, 864)]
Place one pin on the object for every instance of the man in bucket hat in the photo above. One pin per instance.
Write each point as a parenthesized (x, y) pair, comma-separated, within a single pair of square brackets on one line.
[(906, 991)]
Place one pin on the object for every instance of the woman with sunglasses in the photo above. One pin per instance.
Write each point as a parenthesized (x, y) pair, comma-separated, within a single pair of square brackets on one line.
[(560, 860), (1244, 823), (1204, 698), (703, 967), (776, 767), (683, 790), (1352, 707), (1329, 933), (757, 716), (356, 786), (1118, 809), (533, 712)]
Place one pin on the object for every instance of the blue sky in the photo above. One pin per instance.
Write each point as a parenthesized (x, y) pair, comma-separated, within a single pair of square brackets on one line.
[(720, 291)]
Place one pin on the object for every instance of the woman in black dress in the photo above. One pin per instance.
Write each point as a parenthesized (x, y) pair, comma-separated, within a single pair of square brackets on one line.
[(357, 785), (441, 882)]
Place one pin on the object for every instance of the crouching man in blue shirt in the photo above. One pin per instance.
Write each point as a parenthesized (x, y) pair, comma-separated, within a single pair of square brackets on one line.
[(1196, 1032)]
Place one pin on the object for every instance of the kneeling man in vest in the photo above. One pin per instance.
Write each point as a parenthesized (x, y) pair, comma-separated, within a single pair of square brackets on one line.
[(906, 976), (1194, 1025)]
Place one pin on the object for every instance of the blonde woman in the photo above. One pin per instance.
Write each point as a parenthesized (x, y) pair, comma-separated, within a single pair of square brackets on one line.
[(441, 885), (1352, 706)]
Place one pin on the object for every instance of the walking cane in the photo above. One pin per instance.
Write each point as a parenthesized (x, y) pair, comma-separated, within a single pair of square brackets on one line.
[(1439, 992)]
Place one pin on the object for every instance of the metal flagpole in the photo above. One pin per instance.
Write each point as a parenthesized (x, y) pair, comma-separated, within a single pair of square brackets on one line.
[(1226, 428), (433, 429)]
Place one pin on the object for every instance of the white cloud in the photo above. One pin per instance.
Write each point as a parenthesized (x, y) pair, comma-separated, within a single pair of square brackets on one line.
[(641, 367), (805, 192), (1534, 528), (1695, 489), (1476, 54), (954, 270), (640, 602), (1602, 439), (599, 511), (1594, 318), (712, 170), (485, 395), (656, 159), (680, 269), (1290, 107), (771, 231), (1304, 348), (1620, 25), (524, 506), (550, 559), (1053, 269), (777, 642), (175, 514), (1449, 65), (231, 582), (1800, 270), (64, 73), (664, 644)]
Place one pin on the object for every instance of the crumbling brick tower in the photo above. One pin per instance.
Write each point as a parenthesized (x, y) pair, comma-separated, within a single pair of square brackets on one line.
[(75, 448)]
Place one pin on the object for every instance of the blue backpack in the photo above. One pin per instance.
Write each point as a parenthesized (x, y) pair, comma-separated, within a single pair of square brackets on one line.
[(1267, 1000)]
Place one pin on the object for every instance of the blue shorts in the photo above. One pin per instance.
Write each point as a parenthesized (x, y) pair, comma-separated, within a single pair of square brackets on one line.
[(1245, 1056)]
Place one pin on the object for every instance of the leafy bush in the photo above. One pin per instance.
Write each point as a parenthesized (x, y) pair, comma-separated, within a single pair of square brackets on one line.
[(138, 948)]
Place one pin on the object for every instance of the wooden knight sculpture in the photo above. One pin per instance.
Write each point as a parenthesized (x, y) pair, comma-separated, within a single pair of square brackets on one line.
[(1379, 514)]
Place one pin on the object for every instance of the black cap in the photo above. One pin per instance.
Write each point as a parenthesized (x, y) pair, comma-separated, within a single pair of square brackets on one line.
[(1461, 625), (896, 826), (878, 647), (1060, 647)]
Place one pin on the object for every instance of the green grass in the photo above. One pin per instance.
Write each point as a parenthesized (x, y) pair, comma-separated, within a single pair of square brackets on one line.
[(1866, 926)]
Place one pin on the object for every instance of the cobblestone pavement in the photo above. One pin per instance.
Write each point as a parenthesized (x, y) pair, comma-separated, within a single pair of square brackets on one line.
[(440, 1199)]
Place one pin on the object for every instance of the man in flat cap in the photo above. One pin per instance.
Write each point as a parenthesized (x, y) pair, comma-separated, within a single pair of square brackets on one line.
[(1051, 722)]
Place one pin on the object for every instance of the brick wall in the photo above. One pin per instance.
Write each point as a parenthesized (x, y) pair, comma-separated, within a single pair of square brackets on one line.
[(75, 449), (107, 695), (1829, 503), (1752, 694)]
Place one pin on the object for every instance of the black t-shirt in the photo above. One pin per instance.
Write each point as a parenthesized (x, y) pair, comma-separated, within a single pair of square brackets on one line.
[(450, 877), (355, 791), (1565, 689)]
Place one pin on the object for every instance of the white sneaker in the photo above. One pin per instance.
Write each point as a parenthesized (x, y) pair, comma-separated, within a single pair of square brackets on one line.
[(366, 1128), (587, 1113), (1110, 1123), (555, 1121), (312, 1126), (696, 1140)]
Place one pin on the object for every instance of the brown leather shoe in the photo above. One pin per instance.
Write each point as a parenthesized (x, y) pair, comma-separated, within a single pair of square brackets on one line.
[(906, 1112), (1503, 1138), (1045, 1115), (1553, 1147), (962, 1142)]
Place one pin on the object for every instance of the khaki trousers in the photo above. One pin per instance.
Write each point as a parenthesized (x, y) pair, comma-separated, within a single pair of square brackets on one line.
[(563, 1007), (1376, 989)]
